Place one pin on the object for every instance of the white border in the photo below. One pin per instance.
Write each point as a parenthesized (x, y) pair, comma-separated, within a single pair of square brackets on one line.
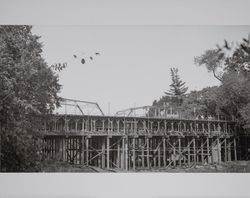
[(147, 12)]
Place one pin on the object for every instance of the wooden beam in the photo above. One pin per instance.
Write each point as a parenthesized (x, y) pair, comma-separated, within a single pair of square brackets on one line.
[(179, 146), (148, 161), (235, 150), (107, 138), (87, 151), (164, 151), (202, 150), (133, 155)]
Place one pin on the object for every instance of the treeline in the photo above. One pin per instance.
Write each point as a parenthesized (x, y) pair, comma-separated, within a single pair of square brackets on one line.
[(230, 100), (28, 87)]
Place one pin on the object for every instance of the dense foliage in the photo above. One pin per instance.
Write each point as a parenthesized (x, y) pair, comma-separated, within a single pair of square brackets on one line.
[(28, 87), (231, 99)]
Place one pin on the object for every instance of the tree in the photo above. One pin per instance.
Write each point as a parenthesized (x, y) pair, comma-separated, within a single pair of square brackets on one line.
[(213, 60), (177, 87), (28, 88), (234, 92), (201, 103)]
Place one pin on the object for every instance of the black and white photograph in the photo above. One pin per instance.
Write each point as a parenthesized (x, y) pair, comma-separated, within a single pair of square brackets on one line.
[(124, 98), (118, 99)]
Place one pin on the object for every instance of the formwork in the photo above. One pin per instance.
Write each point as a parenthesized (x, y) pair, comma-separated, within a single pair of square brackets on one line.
[(135, 143)]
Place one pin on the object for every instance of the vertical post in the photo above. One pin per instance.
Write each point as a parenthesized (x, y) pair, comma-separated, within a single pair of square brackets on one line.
[(103, 152), (118, 155), (225, 150), (202, 151), (126, 153), (123, 154), (235, 150), (188, 149), (194, 147), (164, 152), (174, 154), (179, 144), (229, 152), (148, 161), (87, 151), (218, 151), (159, 156), (82, 147), (107, 152), (83, 126), (208, 152), (142, 155), (133, 142)]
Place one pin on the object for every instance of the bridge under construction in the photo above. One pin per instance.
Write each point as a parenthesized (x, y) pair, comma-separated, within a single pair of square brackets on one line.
[(129, 141)]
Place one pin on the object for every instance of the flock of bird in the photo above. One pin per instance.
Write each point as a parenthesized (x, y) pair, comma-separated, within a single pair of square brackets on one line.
[(83, 60)]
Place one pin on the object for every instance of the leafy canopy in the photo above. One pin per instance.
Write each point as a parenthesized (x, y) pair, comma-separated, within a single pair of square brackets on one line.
[(28, 87)]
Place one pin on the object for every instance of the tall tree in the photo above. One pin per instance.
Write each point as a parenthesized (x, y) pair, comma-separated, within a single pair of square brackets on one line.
[(213, 60), (177, 87), (28, 87), (234, 91)]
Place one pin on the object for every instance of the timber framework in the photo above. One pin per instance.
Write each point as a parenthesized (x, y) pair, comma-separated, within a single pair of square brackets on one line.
[(130, 143)]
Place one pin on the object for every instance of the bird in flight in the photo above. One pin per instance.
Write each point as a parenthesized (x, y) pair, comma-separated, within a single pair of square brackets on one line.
[(83, 60)]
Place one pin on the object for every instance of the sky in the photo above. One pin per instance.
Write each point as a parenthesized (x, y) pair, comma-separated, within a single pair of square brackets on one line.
[(133, 68)]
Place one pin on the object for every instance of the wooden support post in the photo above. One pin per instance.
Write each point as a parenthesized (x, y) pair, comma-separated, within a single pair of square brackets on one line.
[(126, 153), (87, 151), (164, 152), (202, 151), (159, 156), (142, 156), (225, 150), (229, 158), (82, 149), (133, 160), (208, 152), (108, 152), (148, 161), (188, 149), (174, 155), (123, 154), (179, 150), (194, 147), (235, 150), (218, 150), (118, 155), (103, 152)]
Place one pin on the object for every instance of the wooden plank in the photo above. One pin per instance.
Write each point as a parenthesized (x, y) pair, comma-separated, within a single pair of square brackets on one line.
[(164, 152), (225, 150), (103, 153), (87, 151), (118, 155), (235, 150), (148, 153), (179, 147), (188, 149), (133, 150), (208, 152), (108, 152), (194, 152), (202, 151)]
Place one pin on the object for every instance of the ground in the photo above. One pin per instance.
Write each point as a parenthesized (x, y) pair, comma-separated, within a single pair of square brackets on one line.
[(230, 167)]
